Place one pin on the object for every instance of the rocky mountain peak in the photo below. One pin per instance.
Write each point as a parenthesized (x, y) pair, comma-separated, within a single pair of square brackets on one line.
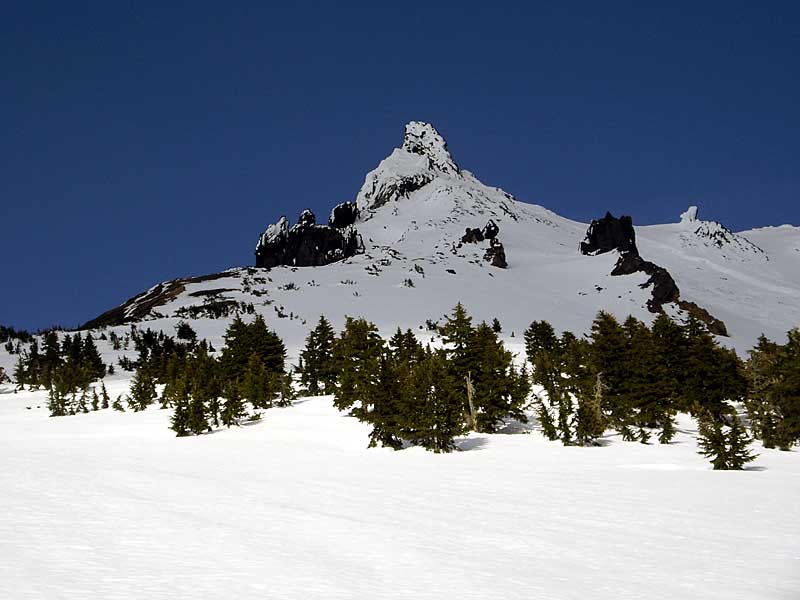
[(423, 139)]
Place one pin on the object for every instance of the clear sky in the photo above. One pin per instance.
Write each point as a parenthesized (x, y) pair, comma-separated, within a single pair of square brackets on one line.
[(141, 141)]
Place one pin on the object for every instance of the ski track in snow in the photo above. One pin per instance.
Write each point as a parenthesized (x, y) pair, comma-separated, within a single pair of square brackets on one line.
[(112, 505)]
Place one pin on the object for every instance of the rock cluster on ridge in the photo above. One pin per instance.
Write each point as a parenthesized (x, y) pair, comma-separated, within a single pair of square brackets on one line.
[(306, 244)]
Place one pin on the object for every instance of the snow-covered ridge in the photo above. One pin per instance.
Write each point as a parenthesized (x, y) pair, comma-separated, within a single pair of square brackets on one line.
[(415, 268)]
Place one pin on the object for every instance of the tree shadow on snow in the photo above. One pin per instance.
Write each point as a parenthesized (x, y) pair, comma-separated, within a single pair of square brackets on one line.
[(471, 444)]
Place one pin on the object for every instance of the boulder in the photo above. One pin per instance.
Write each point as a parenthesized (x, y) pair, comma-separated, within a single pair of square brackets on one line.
[(343, 215)]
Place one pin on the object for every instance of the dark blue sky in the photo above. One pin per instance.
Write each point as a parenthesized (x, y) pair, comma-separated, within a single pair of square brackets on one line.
[(140, 142)]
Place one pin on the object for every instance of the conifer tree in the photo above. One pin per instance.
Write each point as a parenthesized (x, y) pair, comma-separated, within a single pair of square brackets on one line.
[(257, 386), (196, 420), (437, 404), (95, 400), (143, 390), (609, 350), (181, 402), (232, 408), (387, 410), (357, 353), (500, 391), (117, 404), (727, 450), (319, 370), (104, 396)]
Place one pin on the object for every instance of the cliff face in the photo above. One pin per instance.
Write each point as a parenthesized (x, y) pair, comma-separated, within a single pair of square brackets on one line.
[(307, 244), (611, 233)]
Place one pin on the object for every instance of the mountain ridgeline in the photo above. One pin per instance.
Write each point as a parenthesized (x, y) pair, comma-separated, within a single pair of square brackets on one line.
[(423, 232)]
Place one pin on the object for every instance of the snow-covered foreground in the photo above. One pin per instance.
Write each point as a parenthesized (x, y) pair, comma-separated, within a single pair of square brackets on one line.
[(111, 505)]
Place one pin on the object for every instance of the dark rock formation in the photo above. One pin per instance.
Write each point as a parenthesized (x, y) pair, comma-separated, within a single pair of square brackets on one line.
[(475, 235), (609, 233), (491, 230), (343, 215), (306, 244), (664, 289), (496, 254), (472, 236)]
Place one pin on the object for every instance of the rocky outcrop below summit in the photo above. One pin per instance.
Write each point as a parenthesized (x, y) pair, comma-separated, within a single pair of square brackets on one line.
[(611, 233), (495, 254), (307, 244)]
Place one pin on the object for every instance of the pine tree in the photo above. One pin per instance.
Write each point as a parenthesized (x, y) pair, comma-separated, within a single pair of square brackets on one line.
[(90, 357), (257, 386), (117, 404), (500, 392), (589, 424), (436, 402), (143, 390), (83, 400), (104, 396), (727, 450), (357, 353), (232, 408), (609, 350), (205, 385), (196, 420), (319, 370), (95, 400), (386, 414), (181, 414)]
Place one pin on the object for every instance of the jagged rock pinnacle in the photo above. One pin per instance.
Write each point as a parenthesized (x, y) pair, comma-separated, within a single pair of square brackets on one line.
[(423, 139)]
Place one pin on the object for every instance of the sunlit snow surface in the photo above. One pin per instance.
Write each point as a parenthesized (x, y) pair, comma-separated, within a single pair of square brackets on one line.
[(111, 505)]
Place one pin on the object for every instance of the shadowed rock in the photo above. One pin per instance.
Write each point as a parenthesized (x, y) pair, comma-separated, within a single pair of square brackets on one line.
[(306, 244)]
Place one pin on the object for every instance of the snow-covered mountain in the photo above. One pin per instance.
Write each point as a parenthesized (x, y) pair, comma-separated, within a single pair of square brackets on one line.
[(406, 263)]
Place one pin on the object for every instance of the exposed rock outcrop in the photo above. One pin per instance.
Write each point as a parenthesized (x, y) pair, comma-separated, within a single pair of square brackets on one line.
[(306, 244), (496, 254), (611, 233), (491, 230), (343, 215), (472, 235), (422, 157)]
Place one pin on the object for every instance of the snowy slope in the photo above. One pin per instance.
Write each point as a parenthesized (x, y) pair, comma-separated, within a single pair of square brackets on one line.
[(110, 505), (113, 505)]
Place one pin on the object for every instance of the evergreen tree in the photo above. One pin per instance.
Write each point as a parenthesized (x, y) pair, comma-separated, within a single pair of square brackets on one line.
[(257, 386), (104, 396), (387, 410), (196, 420), (357, 353), (181, 402), (609, 350), (233, 407), (90, 357), (117, 404), (436, 403), (319, 370), (500, 391), (205, 386), (728, 450), (95, 400), (143, 390)]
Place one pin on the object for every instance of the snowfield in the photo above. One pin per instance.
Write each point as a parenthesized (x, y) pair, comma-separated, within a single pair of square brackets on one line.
[(112, 505)]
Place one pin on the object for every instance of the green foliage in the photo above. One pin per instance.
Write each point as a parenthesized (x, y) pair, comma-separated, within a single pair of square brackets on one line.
[(318, 373), (773, 399), (357, 352), (726, 444), (143, 390)]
